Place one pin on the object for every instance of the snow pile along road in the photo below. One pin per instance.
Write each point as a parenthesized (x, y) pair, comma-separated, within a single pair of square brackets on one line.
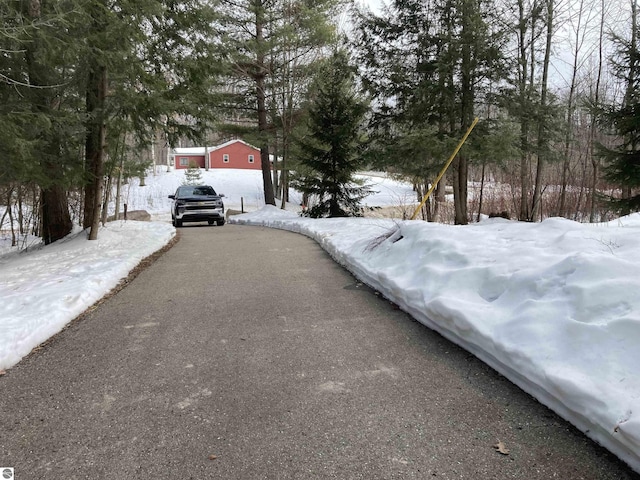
[(552, 306), (42, 290)]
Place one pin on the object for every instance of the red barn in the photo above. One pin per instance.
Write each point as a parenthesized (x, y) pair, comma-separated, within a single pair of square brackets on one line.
[(235, 154), (232, 154)]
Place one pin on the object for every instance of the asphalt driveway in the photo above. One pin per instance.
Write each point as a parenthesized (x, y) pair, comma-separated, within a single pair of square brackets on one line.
[(247, 353)]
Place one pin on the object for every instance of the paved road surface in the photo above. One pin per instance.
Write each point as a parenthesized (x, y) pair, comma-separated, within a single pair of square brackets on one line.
[(247, 353)]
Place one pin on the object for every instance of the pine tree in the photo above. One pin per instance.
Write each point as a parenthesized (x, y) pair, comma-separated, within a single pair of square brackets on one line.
[(48, 44), (428, 64), (72, 70), (262, 39), (331, 152), (192, 175), (622, 163)]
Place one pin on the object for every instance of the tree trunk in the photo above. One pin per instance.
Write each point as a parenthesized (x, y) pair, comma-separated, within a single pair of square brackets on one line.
[(481, 192), (96, 128), (441, 198), (105, 201), (523, 94), (56, 221), (595, 161), (153, 153), (55, 216), (460, 190), (9, 213), (21, 224), (261, 72), (14, 239), (524, 174), (119, 187), (276, 190), (566, 163), (95, 147), (460, 194), (536, 210), (285, 177)]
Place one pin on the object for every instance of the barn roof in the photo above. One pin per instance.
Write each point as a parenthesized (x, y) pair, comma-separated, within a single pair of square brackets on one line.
[(202, 150), (189, 151), (231, 142)]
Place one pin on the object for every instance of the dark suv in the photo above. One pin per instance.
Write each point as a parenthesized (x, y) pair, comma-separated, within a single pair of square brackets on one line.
[(196, 203)]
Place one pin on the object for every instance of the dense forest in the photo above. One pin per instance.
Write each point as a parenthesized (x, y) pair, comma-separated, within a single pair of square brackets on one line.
[(92, 92)]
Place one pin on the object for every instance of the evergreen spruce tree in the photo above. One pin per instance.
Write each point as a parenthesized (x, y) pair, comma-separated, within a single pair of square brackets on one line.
[(192, 175), (428, 65), (622, 163), (264, 43), (48, 126), (82, 76), (331, 151)]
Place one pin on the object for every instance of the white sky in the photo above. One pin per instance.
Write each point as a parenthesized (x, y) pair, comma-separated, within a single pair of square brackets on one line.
[(553, 306)]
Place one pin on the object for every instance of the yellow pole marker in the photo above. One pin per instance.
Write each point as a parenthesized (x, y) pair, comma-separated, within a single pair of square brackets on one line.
[(446, 165)]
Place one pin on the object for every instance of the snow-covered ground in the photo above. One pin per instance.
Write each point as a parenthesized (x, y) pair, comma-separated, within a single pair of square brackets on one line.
[(43, 289), (243, 191), (553, 306), (240, 187)]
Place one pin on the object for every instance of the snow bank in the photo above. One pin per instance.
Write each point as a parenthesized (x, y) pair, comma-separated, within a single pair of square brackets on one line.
[(43, 290)]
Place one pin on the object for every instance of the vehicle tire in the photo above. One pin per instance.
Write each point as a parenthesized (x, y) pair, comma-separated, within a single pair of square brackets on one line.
[(178, 223), (220, 223)]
